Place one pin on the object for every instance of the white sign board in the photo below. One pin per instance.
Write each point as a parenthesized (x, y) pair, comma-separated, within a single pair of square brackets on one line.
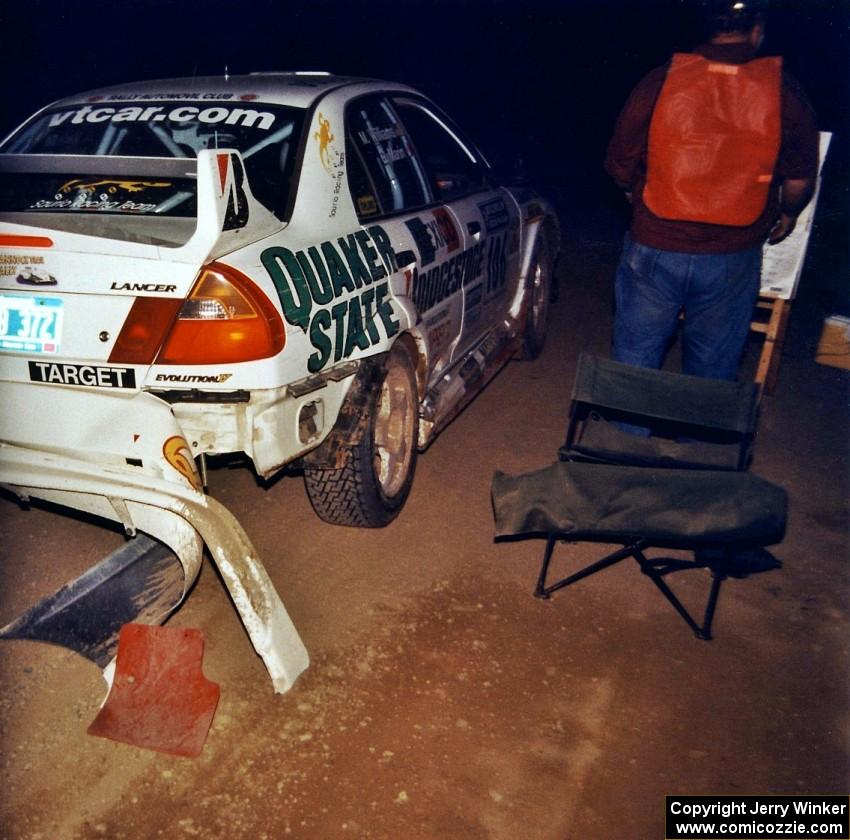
[(782, 264)]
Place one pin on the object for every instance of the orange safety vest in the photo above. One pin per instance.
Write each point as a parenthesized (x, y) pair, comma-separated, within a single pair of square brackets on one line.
[(713, 140)]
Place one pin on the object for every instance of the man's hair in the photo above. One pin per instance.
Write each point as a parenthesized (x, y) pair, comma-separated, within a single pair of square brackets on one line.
[(721, 17)]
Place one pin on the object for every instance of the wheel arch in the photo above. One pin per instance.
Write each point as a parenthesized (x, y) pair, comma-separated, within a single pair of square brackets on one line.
[(349, 426), (414, 344), (552, 232)]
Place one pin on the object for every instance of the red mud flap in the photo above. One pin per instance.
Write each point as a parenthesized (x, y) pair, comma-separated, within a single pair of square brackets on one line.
[(160, 699)]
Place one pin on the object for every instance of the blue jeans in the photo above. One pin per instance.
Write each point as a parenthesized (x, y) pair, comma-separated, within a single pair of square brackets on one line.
[(716, 292)]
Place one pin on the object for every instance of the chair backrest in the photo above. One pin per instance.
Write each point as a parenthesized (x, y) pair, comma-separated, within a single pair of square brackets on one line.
[(694, 422)]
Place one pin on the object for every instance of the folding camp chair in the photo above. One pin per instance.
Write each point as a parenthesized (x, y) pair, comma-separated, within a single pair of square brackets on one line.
[(682, 488)]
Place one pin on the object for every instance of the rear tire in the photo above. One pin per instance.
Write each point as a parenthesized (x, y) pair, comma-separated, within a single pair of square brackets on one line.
[(372, 487), (539, 298)]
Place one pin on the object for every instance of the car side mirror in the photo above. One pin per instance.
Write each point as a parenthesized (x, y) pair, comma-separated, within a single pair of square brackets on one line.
[(512, 172)]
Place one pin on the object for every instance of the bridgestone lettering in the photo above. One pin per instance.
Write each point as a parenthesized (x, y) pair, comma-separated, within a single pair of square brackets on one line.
[(435, 285)]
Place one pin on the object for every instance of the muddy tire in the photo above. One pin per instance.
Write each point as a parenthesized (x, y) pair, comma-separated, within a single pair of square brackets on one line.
[(370, 490), (540, 277)]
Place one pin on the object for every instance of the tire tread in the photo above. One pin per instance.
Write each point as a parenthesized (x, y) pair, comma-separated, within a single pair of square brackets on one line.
[(337, 495)]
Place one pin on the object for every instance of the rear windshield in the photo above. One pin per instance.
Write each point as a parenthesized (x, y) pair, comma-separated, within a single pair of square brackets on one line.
[(39, 192), (266, 135)]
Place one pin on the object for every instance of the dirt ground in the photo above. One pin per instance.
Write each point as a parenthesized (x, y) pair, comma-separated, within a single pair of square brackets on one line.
[(443, 701)]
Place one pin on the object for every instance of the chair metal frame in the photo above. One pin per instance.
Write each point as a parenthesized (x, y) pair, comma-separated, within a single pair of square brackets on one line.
[(654, 569)]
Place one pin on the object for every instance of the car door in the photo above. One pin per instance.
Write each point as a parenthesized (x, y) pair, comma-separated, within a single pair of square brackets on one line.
[(487, 218), (392, 192)]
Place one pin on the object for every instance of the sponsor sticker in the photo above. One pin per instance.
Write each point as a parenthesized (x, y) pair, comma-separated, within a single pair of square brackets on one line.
[(26, 269), (367, 205), (211, 115), (111, 185), (324, 137), (439, 331), (94, 376), (333, 160), (433, 232), (337, 292), (432, 285), (193, 95), (176, 451), (495, 213)]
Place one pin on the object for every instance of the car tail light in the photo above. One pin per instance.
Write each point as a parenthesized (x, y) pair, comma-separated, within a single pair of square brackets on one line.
[(144, 330), (225, 319)]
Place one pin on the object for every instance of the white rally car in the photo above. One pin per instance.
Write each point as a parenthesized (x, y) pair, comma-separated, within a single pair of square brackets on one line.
[(304, 268)]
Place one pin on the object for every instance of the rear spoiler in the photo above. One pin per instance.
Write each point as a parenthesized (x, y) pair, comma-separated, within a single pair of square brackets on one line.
[(112, 165), (228, 215)]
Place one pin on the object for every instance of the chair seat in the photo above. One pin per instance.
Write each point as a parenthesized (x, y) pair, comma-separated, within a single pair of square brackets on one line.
[(614, 503), (603, 441)]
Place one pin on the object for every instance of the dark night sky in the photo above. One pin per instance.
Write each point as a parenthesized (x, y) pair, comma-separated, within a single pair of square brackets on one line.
[(541, 77)]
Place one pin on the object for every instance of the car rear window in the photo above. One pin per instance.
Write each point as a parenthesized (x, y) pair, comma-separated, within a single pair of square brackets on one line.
[(266, 135), (51, 193)]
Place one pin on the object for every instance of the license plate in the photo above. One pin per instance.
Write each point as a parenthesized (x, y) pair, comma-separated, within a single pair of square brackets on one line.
[(30, 324)]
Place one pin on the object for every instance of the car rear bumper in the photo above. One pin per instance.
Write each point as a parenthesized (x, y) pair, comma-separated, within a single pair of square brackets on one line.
[(75, 461)]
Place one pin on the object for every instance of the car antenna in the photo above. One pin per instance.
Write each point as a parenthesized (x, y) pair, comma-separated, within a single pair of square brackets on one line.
[(226, 74)]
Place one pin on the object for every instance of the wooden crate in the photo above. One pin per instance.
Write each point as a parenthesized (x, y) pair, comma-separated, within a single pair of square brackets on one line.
[(834, 345)]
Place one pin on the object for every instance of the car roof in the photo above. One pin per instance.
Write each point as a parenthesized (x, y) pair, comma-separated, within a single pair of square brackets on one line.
[(298, 89)]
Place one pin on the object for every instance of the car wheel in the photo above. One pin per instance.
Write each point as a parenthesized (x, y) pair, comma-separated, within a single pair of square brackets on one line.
[(540, 295), (370, 490)]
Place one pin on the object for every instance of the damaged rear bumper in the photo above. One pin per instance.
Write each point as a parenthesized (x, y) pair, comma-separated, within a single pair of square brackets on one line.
[(157, 494)]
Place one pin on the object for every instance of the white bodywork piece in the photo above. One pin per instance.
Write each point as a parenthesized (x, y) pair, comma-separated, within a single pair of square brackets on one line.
[(75, 465)]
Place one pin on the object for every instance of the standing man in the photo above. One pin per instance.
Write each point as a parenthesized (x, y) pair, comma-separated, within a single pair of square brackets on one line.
[(717, 152)]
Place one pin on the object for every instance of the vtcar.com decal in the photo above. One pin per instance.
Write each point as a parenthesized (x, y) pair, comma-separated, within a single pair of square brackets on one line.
[(214, 115)]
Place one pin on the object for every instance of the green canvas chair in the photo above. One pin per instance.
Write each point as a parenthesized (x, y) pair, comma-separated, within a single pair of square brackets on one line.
[(681, 488)]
